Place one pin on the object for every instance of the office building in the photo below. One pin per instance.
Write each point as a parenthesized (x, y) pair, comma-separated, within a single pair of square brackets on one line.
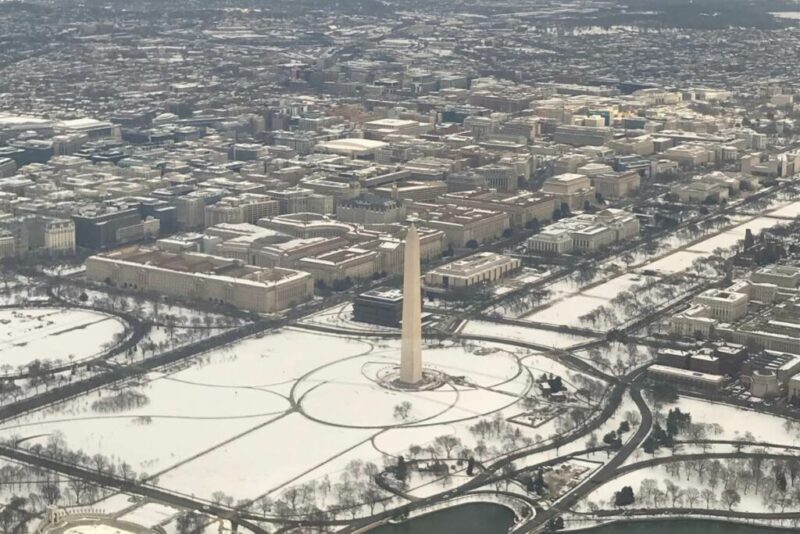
[(202, 277), (574, 190), (481, 268)]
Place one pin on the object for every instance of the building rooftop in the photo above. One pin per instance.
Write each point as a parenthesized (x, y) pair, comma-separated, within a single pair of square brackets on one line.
[(199, 264)]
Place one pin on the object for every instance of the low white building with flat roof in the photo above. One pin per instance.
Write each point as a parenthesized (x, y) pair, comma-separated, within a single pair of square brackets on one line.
[(686, 378), (381, 128), (474, 269), (585, 232), (351, 147)]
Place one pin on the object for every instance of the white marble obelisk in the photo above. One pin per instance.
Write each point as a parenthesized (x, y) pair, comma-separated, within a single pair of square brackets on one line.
[(411, 350)]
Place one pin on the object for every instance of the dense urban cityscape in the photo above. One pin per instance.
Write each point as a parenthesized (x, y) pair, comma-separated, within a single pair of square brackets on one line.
[(394, 266)]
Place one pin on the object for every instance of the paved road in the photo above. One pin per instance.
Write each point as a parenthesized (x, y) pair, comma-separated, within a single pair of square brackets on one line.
[(492, 470), (601, 476), (565, 329), (605, 473), (153, 493), (138, 329), (127, 486), (661, 460), (106, 378)]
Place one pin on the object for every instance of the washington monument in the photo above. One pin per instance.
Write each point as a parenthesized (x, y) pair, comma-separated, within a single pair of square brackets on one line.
[(411, 351)]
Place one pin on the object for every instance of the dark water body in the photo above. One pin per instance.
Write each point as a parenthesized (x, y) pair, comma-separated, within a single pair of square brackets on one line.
[(474, 518), (682, 526)]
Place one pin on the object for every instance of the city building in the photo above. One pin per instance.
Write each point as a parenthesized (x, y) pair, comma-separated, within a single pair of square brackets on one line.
[(570, 189), (585, 232), (351, 264), (100, 227), (382, 128), (481, 268), (201, 277), (724, 305), (616, 185), (306, 225), (463, 226), (523, 207), (578, 135), (370, 209), (245, 208), (85, 519), (379, 306), (785, 276), (684, 378), (413, 190)]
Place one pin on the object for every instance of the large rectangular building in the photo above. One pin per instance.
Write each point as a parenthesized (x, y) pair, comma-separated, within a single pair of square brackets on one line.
[(582, 135), (351, 264), (463, 226), (574, 190), (617, 184), (479, 268), (523, 207), (246, 208), (585, 232), (202, 277)]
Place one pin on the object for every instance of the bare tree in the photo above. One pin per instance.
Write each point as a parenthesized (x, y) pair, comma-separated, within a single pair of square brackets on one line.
[(692, 496), (674, 492), (402, 410), (709, 496), (731, 498), (448, 443)]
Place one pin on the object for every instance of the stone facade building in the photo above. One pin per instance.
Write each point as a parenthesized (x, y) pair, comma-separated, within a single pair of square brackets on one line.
[(202, 277), (585, 232), (479, 268)]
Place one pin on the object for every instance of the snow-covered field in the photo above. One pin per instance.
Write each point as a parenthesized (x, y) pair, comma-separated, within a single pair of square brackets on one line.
[(792, 210), (737, 421), (288, 407), (569, 310), (536, 336), (48, 334), (341, 316), (734, 424)]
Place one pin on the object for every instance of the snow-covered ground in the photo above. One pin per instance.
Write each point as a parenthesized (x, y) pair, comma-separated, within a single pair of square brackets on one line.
[(569, 310), (736, 421), (49, 334), (692, 476), (731, 423), (545, 338), (792, 210), (683, 259), (288, 407), (341, 316), (674, 263), (150, 514)]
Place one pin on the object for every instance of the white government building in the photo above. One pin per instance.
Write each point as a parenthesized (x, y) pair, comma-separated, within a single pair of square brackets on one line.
[(202, 277), (585, 232), (474, 269)]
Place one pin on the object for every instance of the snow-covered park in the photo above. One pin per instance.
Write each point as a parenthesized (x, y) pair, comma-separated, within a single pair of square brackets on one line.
[(747, 483), (252, 410), (48, 334)]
